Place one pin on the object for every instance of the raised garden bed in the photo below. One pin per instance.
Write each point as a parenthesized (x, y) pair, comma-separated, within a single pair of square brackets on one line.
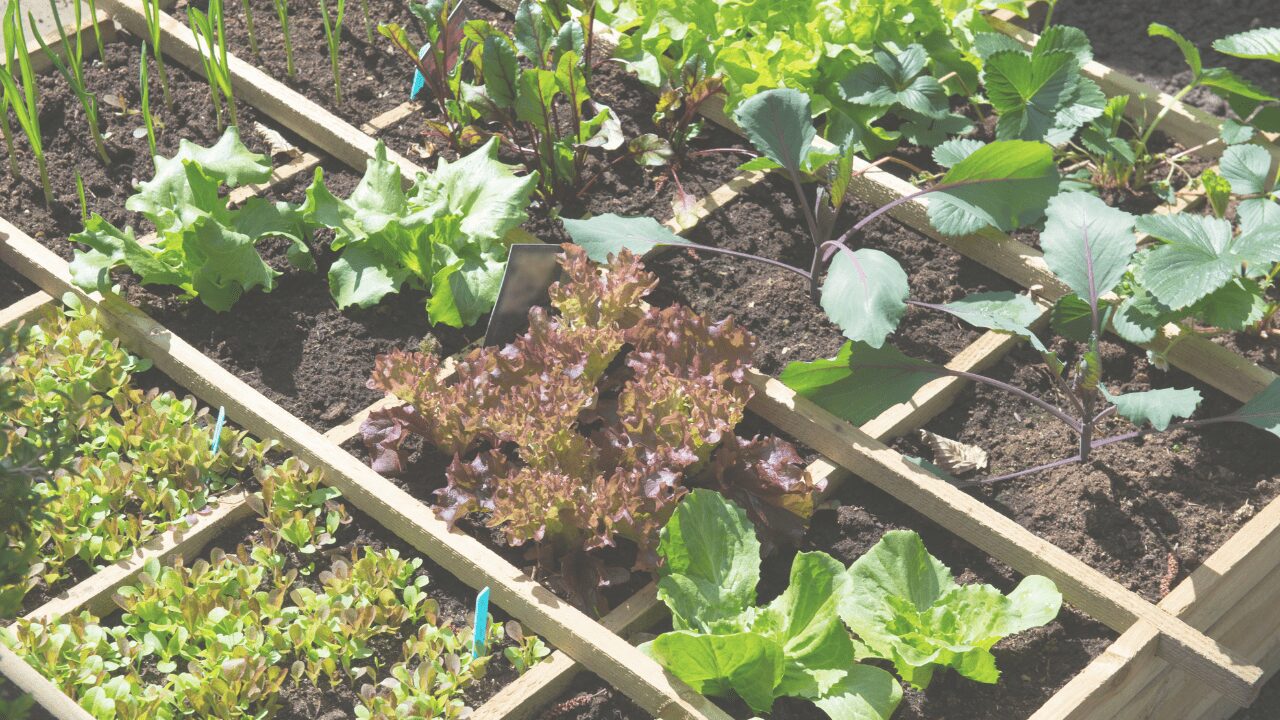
[(1164, 646)]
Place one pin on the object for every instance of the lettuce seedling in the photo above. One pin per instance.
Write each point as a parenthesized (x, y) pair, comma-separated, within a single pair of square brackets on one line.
[(204, 246), (1006, 184), (110, 466), (569, 443), (444, 235), (904, 606), (723, 643)]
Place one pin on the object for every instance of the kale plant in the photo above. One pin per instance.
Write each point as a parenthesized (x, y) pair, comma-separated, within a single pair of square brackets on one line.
[(1088, 246), (592, 426), (203, 246), (895, 603)]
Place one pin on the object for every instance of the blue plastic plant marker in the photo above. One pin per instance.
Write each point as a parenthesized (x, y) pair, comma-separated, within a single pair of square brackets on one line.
[(217, 430), (482, 621), (418, 79)]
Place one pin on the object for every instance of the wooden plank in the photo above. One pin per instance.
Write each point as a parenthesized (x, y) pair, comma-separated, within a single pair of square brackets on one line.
[(551, 677), (1231, 596), (470, 561), (41, 689), (1084, 587), (27, 309), (41, 63)]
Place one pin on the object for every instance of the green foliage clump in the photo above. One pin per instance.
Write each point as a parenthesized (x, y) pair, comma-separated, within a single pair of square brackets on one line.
[(204, 245), (225, 636), (109, 466), (895, 603)]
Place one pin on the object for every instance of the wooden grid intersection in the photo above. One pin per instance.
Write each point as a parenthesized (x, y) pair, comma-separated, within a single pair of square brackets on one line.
[(1215, 636)]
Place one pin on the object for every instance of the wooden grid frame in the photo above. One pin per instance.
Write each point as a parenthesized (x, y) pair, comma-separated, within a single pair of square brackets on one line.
[(1171, 655)]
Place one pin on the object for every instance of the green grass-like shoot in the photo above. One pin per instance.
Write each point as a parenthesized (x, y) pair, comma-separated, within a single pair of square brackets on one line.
[(70, 64), (282, 12), (210, 34), (151, 11), (333, 37), (25, 103), (84, 204), (144, 90), (248, 26)]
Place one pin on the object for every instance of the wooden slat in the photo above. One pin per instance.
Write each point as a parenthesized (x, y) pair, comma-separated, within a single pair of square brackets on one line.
[(95, 592), (1084, 587), (41, 689), (470, 561), (27, 309), (1231, 596)]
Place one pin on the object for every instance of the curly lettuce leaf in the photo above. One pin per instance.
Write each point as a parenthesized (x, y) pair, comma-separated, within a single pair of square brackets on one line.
[(444, 236), (203, 246), (796, 646), (905, 607)]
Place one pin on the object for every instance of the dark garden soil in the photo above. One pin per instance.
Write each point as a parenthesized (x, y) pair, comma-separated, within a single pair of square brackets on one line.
[(774, 304), (293, 344), (69, 149), (1036, 663), (375, 76), (13, 286), (1146, 512), (622, 187), (1118, 31), (304, 701)]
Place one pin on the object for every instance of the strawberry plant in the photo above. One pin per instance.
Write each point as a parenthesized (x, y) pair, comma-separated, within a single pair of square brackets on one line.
[(1124, 160), (529, 89), (567, 442), (895, 603), (225, 637), (1089, 246), (445, 234), (204, 246), (1202, 269)]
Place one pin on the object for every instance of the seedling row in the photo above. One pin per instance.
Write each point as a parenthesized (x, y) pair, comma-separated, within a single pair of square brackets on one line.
[(1154, 628)]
